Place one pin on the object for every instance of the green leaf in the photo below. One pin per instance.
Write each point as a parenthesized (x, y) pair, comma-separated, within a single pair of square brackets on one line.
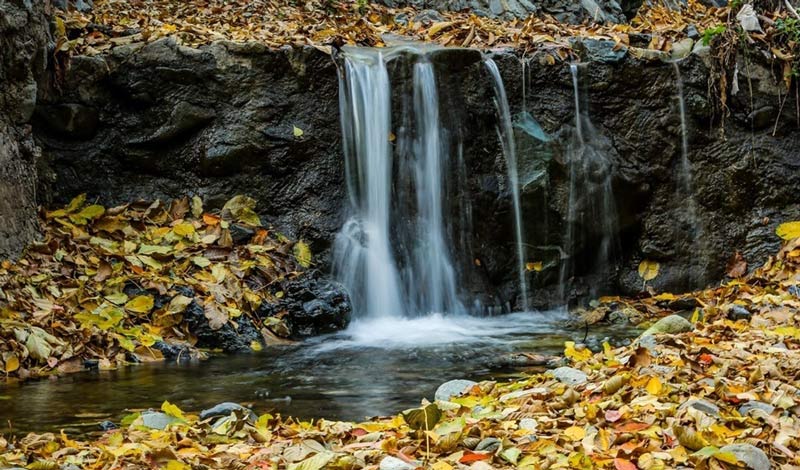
[(76, 203), (172, 410), (511, 455), (140, 304), (297, 131), (38, 347), (424, 418), (92, 212), (150, 249), (302, 253), (201, 261)]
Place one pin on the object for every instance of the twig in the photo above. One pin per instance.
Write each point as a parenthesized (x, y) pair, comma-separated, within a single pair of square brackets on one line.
[(791, 9)]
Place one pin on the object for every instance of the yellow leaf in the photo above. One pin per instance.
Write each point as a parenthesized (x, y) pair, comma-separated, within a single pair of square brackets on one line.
[(302, 253), (172, 410), (576, 355), (654, 386), (177, 465), (535, 266), (441, 465), (297, 131), (788, 230), (575, 433), (184, 230), (648, 270), (12, 363), (140, 304), (255, 346)]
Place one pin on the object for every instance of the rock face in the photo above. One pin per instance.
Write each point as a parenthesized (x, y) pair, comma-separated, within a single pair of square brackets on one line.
[(23, 42), (161, 120)]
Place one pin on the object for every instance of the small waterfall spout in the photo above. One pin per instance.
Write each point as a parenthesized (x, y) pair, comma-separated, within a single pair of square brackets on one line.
[(591, 209), (506, 133), (393, 253)]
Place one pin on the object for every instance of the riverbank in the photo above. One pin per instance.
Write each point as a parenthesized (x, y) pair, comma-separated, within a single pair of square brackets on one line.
[(150, 281), (719, 391)]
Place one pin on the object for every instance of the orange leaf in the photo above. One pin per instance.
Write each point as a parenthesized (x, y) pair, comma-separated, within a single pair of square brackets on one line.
[(631, 426), (470, 457), (622, 464), (210, 219)]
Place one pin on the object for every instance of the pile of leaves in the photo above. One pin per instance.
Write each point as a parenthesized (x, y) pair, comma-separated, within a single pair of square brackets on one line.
[(326, 24), (109, 286), (723, 395)]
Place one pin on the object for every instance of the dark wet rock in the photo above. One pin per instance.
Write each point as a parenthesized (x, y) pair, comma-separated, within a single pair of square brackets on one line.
[(753, 457), (738, 312), (428, 17), (228, 338), (241, 234), (184, 119), (225, 409), (489, 444), (313, 305), (600, 50), (515, 360), (692, 32), (601, 11), (256, 95), (24, 38), (69, 120), (453, 388), (107, 426), (174, 351)]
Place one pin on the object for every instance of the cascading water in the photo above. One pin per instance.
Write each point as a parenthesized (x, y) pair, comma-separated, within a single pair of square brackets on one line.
[(506, 134), (591, 211), (364, 259), (383, 276)]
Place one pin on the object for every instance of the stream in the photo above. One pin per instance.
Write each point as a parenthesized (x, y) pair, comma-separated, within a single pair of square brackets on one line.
[(375, 367)]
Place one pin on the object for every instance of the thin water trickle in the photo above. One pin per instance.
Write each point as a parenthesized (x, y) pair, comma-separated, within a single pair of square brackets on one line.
[(506, 133), (591, 222)]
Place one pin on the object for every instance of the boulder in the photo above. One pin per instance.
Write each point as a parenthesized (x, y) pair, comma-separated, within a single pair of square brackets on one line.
[(672, 324)]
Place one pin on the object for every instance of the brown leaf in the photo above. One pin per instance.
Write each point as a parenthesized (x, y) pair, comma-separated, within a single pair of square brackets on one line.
[(737, 266)]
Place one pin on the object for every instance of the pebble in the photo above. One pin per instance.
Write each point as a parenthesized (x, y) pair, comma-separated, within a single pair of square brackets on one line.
[(453, 388), (702, 405), (753, 405), (750, 455), (570, 376), (225, 409), (393, 463)]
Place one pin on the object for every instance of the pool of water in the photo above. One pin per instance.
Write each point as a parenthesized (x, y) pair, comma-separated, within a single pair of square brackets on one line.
[(373, 368)]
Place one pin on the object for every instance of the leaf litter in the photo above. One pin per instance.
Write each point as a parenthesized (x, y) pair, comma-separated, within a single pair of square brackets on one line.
[(721, 396), (111, 286)]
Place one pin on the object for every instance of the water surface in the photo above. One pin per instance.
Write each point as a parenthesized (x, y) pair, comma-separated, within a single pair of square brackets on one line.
[(376, 367)]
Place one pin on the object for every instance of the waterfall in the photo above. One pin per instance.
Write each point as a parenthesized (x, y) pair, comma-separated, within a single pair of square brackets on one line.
[(506, 134), (391, 270), (591, 208), (364, 259)]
